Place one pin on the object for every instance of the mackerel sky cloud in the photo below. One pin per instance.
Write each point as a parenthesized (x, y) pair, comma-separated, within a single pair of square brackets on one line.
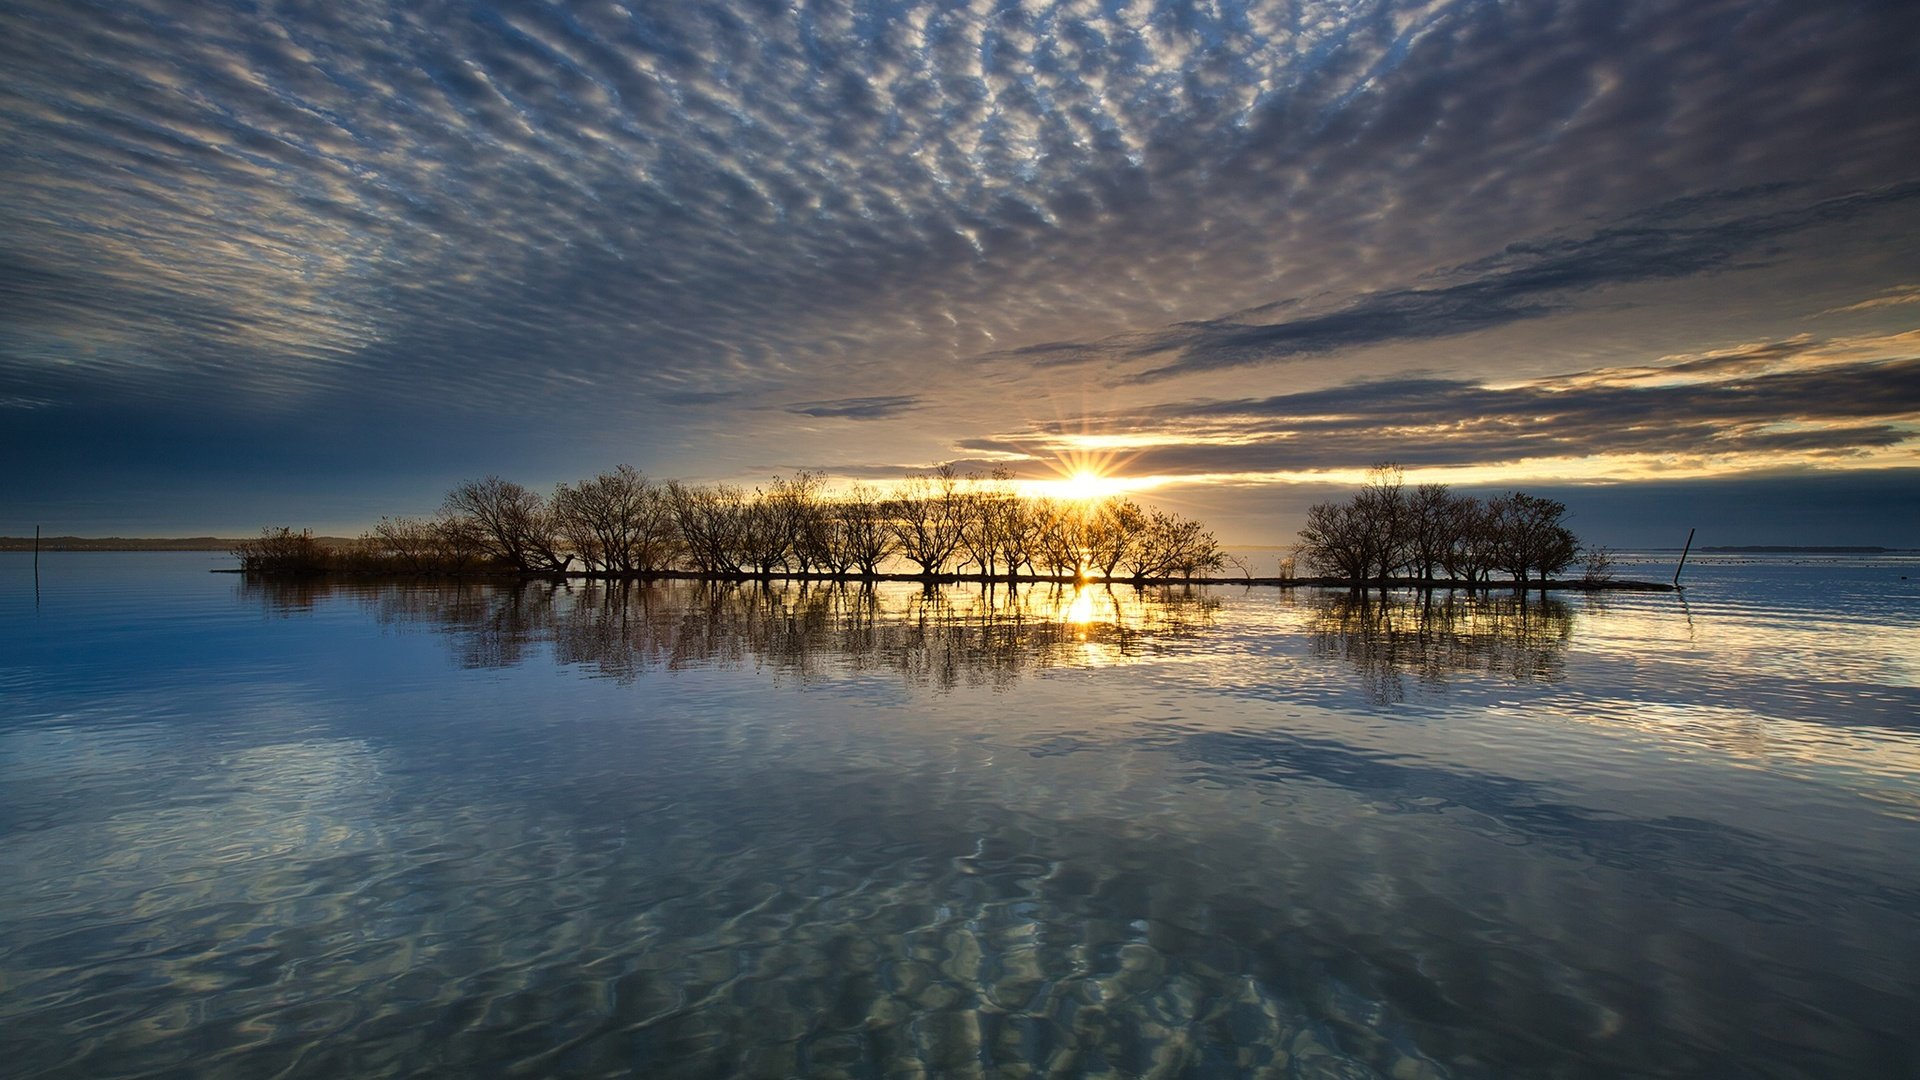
[(315, 262)]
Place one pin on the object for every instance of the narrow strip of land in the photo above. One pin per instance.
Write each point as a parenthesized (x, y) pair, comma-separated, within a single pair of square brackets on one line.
[(1401, 584)]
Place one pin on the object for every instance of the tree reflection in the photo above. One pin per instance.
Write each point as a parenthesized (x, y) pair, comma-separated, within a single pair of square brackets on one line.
[(939, 637), (1432, 636)]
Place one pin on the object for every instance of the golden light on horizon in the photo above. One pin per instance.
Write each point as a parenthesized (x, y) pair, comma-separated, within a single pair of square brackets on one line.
[(1085, 485), (1085, 477)]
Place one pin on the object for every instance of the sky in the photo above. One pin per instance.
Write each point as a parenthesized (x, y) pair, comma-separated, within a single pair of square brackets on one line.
[(315, 263)]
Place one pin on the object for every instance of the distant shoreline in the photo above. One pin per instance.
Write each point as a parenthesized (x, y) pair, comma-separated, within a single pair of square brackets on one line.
[(130, 543), (1783, 549)]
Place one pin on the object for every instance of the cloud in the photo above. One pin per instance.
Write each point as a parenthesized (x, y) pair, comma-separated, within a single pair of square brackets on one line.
[(857, 408), (1893, 297), (1524, 281), (537, 230), (1816, 400)]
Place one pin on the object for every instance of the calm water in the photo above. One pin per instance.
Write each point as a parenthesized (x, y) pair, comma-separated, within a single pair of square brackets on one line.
[(684, 831)]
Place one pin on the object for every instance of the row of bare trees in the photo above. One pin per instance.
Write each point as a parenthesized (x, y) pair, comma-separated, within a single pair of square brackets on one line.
[(1388, 531), (623, 523)]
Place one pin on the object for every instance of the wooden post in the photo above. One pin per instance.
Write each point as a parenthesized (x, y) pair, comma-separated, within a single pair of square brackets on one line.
[(1683, 559)]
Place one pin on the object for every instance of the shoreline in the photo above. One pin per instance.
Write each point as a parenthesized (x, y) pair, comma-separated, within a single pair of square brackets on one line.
[(1415, 584)]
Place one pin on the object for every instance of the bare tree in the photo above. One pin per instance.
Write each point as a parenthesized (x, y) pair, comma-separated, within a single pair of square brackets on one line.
[(1153, 553), (1599, 564), (1337, 540), (809, 523), (1382, 503), (413, 544), (282, 551), (1430, 521), (1170, 542), (1529, 537), (1110, 531), (865, 528), (1469, 555), (986, 509), (618, 521), (1057, 539), (926, 520), (710, 522), (1020, 524), (514, 524), (766, 532)]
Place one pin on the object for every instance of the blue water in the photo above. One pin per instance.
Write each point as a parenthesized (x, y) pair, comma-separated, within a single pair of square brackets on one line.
[(680, 830)]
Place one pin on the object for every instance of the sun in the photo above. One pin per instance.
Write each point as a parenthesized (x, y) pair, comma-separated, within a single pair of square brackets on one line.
[(1084, 477), (1085, 485)]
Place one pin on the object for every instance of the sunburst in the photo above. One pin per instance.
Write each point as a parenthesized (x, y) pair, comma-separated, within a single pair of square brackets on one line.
[(1085, 485), (1085, 477)]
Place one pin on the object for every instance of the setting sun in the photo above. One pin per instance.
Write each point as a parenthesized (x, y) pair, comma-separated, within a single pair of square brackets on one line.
[(1080, 476), (1085, 485)]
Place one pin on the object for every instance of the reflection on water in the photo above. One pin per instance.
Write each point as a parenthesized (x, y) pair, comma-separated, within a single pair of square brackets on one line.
[(1430, 635), (696, 831), (942, 637), (938, 638)]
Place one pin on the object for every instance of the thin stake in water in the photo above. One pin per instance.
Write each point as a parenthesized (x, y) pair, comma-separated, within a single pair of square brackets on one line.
[(1683, 559)]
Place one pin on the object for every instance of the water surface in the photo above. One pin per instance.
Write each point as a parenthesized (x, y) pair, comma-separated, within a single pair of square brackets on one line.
[(686, 830)]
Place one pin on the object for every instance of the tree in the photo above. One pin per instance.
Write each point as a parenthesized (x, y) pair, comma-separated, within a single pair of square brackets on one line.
[(412, 543), (1528, 536), (1469, 555), (283, 551), (619, 521), (1364, 538), (809, 522), (1336, 540), (927, 521), (1110, 531), (1430, 522), (766, 532), (986, 510), (1383, 507), (709, 522), (1188, 546), (1599, 565), (1056, 537), (864, 528), (514, 524)]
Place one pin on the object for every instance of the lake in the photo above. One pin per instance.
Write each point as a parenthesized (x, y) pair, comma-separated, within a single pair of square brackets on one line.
[(686, 830)]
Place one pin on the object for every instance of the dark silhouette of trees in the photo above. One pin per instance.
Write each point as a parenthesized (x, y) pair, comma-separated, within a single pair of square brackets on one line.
[(1178, 543), (1385, 532), (1109, 531), (1432, 513), (927, 520), (864, 529), (618, 522), (1365, 538), (988, 512), (282, 551), (1468, 554), (1336, 540), (710, 522), (448, 542), (515, 525), (1528, 537), (1057, 538)]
